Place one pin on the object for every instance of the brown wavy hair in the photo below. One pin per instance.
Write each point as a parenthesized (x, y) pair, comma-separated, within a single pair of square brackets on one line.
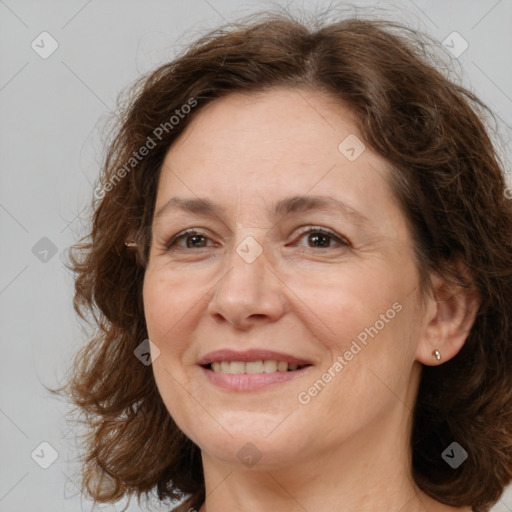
[(447, 175)]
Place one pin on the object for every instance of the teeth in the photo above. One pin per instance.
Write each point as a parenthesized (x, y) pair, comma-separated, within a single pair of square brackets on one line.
[(237, 367), (270, 366), (252, 367), (282, 366)]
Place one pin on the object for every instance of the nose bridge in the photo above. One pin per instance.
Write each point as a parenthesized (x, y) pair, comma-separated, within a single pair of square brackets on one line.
[(247, 266), (248, 289)]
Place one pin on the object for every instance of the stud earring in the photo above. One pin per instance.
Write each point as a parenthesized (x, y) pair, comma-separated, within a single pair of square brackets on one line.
[(437, 354)]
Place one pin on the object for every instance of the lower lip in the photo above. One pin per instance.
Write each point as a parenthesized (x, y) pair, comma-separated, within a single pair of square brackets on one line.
[(250, 381)]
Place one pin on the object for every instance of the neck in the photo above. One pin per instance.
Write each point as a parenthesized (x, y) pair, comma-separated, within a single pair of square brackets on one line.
[(369, 472)]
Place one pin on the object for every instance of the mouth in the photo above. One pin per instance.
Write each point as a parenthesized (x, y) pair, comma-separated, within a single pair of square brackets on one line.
[(253, 367), (251, 370)]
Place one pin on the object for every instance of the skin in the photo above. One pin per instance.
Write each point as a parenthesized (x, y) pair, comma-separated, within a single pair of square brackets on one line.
[(347, 448)]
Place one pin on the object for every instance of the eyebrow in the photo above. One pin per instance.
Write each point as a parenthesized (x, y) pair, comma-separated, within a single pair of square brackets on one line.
[(287, 206)]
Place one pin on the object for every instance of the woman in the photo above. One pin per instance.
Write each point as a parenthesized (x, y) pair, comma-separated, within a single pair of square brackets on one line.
[(312, 227)]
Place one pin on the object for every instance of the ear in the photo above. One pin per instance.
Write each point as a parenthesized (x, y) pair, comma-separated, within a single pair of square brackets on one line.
[(134, 244), (449, 315)]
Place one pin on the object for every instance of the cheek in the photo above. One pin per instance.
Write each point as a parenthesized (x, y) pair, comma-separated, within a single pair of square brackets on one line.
[(339, 305), (172, 307), (369, 371), (167, 302), (168, 308), (367, 319)]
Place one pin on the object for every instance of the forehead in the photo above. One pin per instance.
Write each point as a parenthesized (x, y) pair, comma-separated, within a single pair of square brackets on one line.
[(255, 149), (290, 121)]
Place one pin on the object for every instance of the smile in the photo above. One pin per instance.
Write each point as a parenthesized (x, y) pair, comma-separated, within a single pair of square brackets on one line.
[(253, 367)]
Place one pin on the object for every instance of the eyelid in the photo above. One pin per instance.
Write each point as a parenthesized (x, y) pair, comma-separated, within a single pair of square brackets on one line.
[(326, 231), (183, 234), (306, 229)]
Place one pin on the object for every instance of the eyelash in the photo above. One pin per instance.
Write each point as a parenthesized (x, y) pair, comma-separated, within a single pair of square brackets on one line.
[(316, 229)]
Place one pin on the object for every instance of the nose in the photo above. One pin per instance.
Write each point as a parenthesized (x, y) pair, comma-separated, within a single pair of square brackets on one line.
[(250, 293)]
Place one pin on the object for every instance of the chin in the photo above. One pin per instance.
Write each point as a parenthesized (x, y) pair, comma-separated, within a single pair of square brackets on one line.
[(248, 439)]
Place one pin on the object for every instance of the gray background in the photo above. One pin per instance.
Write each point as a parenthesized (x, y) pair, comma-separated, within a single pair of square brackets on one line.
[(52, 112)]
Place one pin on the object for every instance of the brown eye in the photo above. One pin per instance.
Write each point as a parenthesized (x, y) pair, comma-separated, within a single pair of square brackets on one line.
[(322, 238), (318, 240), (193, 240)]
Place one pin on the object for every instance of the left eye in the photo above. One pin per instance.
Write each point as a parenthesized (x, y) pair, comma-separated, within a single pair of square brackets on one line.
[(321, 238)]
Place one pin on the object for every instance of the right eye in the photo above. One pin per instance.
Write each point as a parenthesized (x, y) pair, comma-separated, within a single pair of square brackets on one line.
[(191, 237)]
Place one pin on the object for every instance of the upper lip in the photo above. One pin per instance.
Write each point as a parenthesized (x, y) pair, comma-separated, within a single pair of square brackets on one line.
[(249, 355)]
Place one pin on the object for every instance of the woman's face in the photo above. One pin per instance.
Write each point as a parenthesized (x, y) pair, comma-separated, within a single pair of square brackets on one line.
[(299, 254)]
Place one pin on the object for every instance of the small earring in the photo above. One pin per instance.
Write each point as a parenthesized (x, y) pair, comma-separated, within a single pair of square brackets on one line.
[(437, 354)]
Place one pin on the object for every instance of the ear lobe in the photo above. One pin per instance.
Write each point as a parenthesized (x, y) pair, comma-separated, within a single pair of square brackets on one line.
[(452, 311)]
